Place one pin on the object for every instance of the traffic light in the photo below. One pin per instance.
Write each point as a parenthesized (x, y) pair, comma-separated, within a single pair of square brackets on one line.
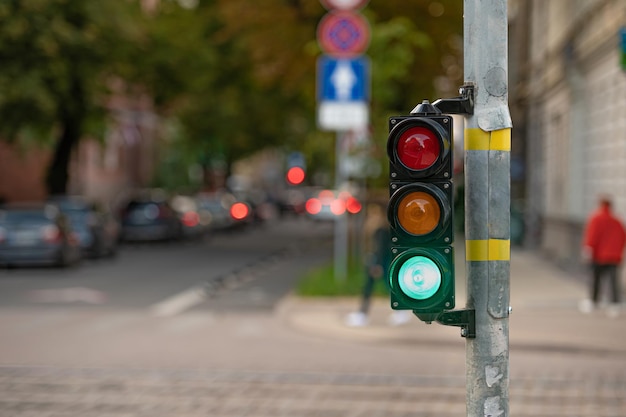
[(295, 175), (420, 211)]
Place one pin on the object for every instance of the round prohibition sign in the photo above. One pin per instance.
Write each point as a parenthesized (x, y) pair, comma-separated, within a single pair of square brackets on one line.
[(344, 4), (343, 34)]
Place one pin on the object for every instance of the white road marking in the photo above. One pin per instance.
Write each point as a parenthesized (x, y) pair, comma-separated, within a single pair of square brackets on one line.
[(179, 303)]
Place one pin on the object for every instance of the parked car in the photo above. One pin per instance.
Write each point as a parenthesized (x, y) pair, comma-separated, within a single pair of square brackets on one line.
[(150, 218), (36, 234), (214, 208), (97, 229), (194, 221), (228, 211)]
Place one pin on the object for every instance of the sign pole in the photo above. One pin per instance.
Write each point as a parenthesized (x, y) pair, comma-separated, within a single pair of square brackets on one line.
[(343, 91), (487, 207), (341, 222)]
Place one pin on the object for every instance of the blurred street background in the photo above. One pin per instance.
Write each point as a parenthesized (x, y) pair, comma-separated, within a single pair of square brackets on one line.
[(197, 329), (181, 235)]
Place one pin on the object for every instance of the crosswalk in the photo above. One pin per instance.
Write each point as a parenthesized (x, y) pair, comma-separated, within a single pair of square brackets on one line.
[(99, 392)]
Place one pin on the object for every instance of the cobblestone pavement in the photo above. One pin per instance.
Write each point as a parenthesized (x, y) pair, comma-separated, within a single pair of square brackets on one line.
[(38, 392)]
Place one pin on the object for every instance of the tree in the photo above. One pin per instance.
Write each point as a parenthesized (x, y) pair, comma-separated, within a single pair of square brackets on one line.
[(57, 56), (415, 49)]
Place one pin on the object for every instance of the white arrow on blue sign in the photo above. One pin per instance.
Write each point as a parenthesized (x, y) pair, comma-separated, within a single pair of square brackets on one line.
[(343, 90), (340, 79)]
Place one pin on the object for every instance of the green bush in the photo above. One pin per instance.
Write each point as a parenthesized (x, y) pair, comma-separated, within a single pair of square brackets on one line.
[(321, 282)]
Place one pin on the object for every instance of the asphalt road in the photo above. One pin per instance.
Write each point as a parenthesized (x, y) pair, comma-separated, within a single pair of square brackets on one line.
[(146, 276)]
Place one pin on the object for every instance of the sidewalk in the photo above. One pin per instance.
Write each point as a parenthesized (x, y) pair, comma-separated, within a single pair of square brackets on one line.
[(545, 315)]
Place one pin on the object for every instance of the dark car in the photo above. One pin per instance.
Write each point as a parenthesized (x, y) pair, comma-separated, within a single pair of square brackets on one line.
[(36, 234), (195, 222), (214, 208), (226, 211), (96, 228), (148, 219)]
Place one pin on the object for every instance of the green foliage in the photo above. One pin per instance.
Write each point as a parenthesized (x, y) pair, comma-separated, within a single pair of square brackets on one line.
[(57, 57), (321, 282), (235, 78)]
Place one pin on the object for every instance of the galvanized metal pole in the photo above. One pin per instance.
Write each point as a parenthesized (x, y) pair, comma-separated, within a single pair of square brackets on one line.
[(341, 223), (487, 207)]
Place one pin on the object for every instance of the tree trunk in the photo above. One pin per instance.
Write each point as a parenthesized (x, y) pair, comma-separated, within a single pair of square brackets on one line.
[(71, 116), (58, 170)]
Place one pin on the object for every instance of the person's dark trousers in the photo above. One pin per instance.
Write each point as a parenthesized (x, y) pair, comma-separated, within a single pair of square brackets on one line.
[(610, 271), (368, 288)]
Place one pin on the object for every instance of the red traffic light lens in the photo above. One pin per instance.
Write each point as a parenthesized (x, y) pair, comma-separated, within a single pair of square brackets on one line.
[(295, 175), (418, 213), (418, 148)]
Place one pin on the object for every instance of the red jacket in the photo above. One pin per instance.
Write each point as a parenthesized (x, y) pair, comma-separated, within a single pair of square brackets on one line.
[(605, 236)]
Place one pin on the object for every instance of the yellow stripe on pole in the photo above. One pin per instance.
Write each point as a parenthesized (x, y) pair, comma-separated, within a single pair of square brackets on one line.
[(479, 140), (488, 250)]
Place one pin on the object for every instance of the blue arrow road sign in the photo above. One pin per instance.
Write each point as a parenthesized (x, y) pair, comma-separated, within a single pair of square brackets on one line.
[(343, 79)]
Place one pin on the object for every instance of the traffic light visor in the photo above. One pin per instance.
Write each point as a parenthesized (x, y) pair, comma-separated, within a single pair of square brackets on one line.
[(418, 148), (419, 277), (418, 213)]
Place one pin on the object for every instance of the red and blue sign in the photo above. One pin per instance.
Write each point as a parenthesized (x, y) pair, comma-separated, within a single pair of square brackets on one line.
[(343, 34)]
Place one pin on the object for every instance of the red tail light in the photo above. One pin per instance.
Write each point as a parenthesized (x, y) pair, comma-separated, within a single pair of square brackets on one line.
[(353, 205), (338, 207), (313, 206), (51, 234), (239, 211), (191, 219)]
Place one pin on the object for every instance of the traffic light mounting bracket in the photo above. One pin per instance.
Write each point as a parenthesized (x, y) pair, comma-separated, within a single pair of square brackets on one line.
[(465, 319), (463, 104)]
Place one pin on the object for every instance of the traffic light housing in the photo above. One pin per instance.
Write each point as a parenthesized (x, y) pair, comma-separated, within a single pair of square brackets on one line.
[(420, 212)]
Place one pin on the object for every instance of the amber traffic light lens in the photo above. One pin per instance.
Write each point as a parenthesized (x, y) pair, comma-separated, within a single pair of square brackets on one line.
[(418, 148), (418, 213)]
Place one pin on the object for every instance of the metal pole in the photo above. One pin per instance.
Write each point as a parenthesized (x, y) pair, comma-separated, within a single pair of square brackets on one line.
[(341, 224), (487, 207)]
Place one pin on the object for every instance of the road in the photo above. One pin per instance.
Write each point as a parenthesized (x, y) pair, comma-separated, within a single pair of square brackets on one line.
[(144, 275), (206, 328)]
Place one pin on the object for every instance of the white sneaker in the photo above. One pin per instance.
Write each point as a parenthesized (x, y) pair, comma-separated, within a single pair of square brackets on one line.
[(613, 311), (356, 319), (399, 317), (585, 306)]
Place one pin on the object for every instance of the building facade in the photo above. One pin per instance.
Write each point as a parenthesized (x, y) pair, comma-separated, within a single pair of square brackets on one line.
[(568, 103)]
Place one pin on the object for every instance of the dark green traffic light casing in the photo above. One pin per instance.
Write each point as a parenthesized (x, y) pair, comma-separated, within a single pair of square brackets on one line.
[(421, 275), (441, 126), (442, 234), (444, 296)]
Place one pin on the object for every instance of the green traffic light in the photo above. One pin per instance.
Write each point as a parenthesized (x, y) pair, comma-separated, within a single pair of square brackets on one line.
[(419, 277)]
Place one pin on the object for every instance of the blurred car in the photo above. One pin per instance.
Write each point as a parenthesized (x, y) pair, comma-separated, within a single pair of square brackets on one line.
[(36, 234), (214, 209), (149, 218), (97, 229), (195, 223), (331, 204), (292, 201)]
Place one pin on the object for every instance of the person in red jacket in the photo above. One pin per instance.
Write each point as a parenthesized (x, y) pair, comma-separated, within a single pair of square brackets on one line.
[(603, 246)]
